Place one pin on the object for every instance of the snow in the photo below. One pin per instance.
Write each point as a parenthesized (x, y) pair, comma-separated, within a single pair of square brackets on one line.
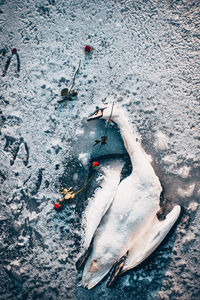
[(193, 206), (184, 171), (152, 48), (84, 158), (161, 141), (187, 192), (33, 216)]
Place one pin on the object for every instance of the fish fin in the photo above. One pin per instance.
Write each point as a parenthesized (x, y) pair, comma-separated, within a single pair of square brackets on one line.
[(102, 199), (116, 270), (82, 260), (145, 245)]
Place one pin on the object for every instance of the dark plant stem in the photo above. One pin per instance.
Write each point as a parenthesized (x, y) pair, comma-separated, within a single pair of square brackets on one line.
[(18, 62), (73, 81), (6, 66)]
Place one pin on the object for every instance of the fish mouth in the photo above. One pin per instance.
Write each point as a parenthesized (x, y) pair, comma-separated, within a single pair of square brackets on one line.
[(93, 277), (97, 114)]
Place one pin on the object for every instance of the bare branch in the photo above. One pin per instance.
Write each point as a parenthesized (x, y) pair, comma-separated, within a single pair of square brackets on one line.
[(73, 81)]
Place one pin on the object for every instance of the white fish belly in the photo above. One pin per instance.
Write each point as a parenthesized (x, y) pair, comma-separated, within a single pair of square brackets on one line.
[(127, 218), (147, 243), (102, 199)]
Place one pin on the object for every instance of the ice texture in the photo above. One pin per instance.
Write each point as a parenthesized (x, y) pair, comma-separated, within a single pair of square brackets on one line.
[(146, 58)]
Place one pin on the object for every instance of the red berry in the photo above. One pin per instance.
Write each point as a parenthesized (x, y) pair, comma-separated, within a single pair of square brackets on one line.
[(88, 48), (14, 50), (95, 164), (57, 206)]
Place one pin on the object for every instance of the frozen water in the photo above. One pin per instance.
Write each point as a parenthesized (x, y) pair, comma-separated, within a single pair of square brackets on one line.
[(161, 141), (146, 57)]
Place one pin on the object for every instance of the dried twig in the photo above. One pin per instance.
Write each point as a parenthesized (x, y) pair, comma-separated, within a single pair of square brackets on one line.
[(73, 81), (68, 94), (14, 52), (104, 138)]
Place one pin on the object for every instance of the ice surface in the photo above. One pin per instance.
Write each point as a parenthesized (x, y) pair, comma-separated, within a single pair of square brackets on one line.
[(145, 57), (161, 141), (187, 192)]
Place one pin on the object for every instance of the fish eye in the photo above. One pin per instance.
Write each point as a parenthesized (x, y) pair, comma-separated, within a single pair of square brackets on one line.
[(99, 110), (96, 112)]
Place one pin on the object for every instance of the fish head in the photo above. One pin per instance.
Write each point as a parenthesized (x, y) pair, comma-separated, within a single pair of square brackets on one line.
[(106, 112), (95, 270)]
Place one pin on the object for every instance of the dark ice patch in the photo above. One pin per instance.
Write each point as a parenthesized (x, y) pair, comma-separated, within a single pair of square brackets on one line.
[(43, 11), (67, 180), (31, 202), (3, 100), (2, 177), (5, 284), (13, 121), (4, 213), (12, 145), (38, 182)]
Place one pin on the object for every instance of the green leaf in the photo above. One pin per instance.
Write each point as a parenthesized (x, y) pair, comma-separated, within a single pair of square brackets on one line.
[(64, 92)]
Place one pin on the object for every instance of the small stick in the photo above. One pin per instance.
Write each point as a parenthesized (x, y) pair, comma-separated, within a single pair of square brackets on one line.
[(14, 52), (104, 138), (7, 65), (18, 62), (108, 122), (73, 81)]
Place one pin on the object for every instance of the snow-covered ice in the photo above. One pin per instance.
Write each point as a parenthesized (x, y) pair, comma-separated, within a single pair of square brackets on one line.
[(146, 57)]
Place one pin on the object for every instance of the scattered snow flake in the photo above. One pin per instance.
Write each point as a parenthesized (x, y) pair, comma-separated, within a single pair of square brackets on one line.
[(187, 192)]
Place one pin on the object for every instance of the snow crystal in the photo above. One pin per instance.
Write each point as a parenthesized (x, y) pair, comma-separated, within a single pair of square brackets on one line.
[(84, 158), (33, 216), (186, 192), (79, 131), (193, 206), (15, 263), (145, 57), (184, 171), (161, 141), (75, 176)]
